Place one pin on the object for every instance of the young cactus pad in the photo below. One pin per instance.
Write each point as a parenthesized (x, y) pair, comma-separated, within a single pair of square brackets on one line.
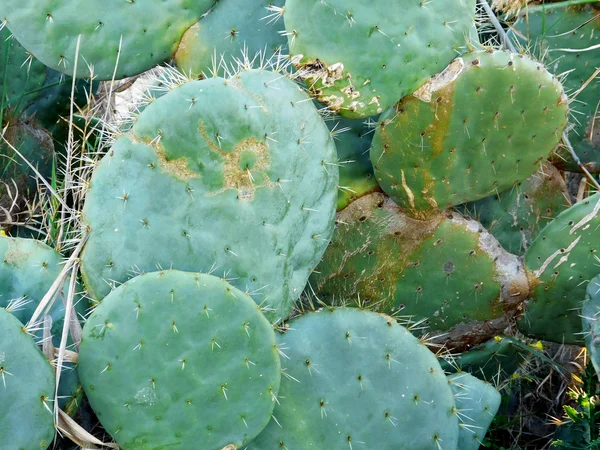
[(448, 271), (477, 403), (116, 37), (483, 125), (590, 315), (235, 177), (562, 259), (360, 57), (230, 29), (358, 379), (26, 389), (176, 359)]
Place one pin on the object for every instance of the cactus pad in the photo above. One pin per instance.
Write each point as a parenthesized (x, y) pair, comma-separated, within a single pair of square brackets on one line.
[(230, 29), (567, 39), (172, 359), (390, 56), (235, 176), (26, 389), (358, 379), (146, 32), (477, 403), (448, 271), (562, 259), (483, 125), (27, 270)]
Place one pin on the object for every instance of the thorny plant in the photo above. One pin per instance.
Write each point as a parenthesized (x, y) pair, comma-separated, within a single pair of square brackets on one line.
[(54, 214)]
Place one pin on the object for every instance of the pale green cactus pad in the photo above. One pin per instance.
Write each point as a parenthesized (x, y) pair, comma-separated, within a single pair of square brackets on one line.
[(26, 389), (477, 403), (483, 125), (358, 379), (360, 58), (235, 177), (174, 359)]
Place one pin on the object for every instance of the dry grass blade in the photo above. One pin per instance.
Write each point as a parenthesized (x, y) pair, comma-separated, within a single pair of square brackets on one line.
[(77, 434)]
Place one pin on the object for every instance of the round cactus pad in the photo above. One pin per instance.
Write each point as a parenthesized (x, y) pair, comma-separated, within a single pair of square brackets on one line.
[(357, 379), (121, 37), (486, 123), (235, 177), (360, 58), (174, 360), (26, 389)]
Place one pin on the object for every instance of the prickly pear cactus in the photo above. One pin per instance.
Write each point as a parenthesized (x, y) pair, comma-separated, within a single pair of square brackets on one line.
[(236, 177), (590, 315), (483, 125), (174, 359), (516, 216), (477, 403), (353, 140), (230, 29), (26, 389), (448, 271), (561, 260), (388, 57), (358, 379), (120, 37), (567, 40)]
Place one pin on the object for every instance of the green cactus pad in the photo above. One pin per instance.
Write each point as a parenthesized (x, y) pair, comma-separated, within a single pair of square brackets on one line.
[(357, 379), (564, 38), (389, 56), (448, 271), (562, 259), (174, 359), (20, 74), (483, 125), (590, 315), (477, 403), (26, 389), (353, 140), (234, 177), (515, 217), (231, 28), (146, 32)]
